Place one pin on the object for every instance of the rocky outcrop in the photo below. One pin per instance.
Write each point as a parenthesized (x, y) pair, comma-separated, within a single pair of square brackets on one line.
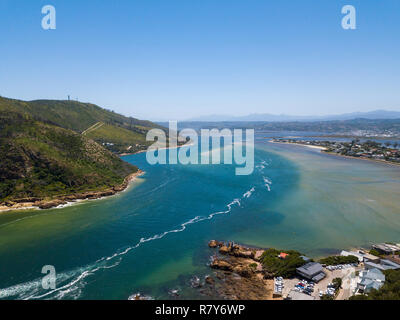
[(224, 250), (52, 203), (221, 265), (215, 244), (243, 271), (238, 274)]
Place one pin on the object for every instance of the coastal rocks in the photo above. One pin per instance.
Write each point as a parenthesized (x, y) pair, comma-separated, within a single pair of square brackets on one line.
[(239, 274), (51, 204), (224, 250), (209, 280), (215, 244), (243, 271), (195, 282), (233, 249), (61, 200), (258, 254), (221, 265), (240, 252)]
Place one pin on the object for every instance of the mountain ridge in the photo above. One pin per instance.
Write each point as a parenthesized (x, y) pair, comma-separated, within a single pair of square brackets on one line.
[(266, 117), (121, 134)]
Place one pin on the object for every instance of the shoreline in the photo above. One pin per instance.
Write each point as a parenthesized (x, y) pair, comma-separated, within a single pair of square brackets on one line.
[(164, 148), (66, 200), (299, 144), (340, 155)]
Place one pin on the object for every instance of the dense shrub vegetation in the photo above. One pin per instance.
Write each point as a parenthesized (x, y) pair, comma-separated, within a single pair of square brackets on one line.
[(42, 160), (282, 267), (336, 260)]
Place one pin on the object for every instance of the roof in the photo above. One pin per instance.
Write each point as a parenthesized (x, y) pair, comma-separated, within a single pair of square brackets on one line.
[(390, 264), (374, 274), (305, 258), (369, 256), (353, 253), (372, 279), (384, 265), (311, 268), (319, 277), (283, 255), (386, 247)]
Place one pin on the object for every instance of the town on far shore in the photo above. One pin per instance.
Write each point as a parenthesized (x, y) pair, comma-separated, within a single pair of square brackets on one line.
[(271, 274), (372, 150)]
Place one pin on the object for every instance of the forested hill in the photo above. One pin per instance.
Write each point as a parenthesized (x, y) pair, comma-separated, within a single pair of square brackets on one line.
[(44, 161), (114, 131)]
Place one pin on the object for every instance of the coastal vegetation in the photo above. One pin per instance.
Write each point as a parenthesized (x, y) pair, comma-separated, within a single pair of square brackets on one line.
[(114, 131), (337, 260), (40, 160), (282, 267)]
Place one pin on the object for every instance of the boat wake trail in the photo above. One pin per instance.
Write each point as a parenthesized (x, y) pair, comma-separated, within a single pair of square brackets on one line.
[(73, 282)]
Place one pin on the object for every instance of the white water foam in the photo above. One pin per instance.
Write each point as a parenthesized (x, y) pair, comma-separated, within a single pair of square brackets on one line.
[(249, 193), (267, 183), (73, 289)]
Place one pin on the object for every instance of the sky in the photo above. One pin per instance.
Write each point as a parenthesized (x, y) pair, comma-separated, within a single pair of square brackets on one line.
[(179, 59)]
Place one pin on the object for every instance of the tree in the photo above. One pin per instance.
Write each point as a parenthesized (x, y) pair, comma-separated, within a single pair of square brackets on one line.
[(337, 282)]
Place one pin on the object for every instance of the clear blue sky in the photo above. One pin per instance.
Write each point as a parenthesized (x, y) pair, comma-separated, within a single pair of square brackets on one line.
[(166, 59)]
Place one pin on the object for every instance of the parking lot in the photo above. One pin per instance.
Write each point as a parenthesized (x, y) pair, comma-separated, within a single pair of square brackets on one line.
[(347, 274)]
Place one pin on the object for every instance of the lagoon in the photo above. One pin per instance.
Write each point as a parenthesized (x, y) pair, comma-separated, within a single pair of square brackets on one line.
[(153, 237)]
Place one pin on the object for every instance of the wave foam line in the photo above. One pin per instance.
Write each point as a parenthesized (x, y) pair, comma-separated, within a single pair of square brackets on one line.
[(30, 290), (267, 183)]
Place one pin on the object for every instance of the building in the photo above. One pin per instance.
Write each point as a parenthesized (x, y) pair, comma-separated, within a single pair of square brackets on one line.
[(306, 259), (359, 256), (386, 248), (283, 255), (312, 271), (370, 279), (383, 265)]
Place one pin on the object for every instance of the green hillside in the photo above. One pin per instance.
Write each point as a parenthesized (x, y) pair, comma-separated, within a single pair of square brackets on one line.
[(117, 133), (38, 159)]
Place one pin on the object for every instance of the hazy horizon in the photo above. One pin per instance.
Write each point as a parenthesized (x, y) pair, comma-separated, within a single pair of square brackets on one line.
[(181, 60)]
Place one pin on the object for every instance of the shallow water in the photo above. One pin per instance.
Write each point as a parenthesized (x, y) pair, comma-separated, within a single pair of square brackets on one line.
[(153, 237)]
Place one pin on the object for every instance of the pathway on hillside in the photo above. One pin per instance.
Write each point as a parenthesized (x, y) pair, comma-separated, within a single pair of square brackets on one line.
[(93, 127)]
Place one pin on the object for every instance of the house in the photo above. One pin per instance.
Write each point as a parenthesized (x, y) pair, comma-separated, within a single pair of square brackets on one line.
[(283, 255), (383, 265), (306, 259), (386, 248), (370, 279), (312, 271), (359, 256), (369, 257)]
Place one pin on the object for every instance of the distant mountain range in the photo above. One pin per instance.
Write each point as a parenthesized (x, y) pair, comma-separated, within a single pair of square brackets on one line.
[(377, 114)]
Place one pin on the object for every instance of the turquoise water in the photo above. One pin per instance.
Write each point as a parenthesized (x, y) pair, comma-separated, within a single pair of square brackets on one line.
[(153, 237)]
